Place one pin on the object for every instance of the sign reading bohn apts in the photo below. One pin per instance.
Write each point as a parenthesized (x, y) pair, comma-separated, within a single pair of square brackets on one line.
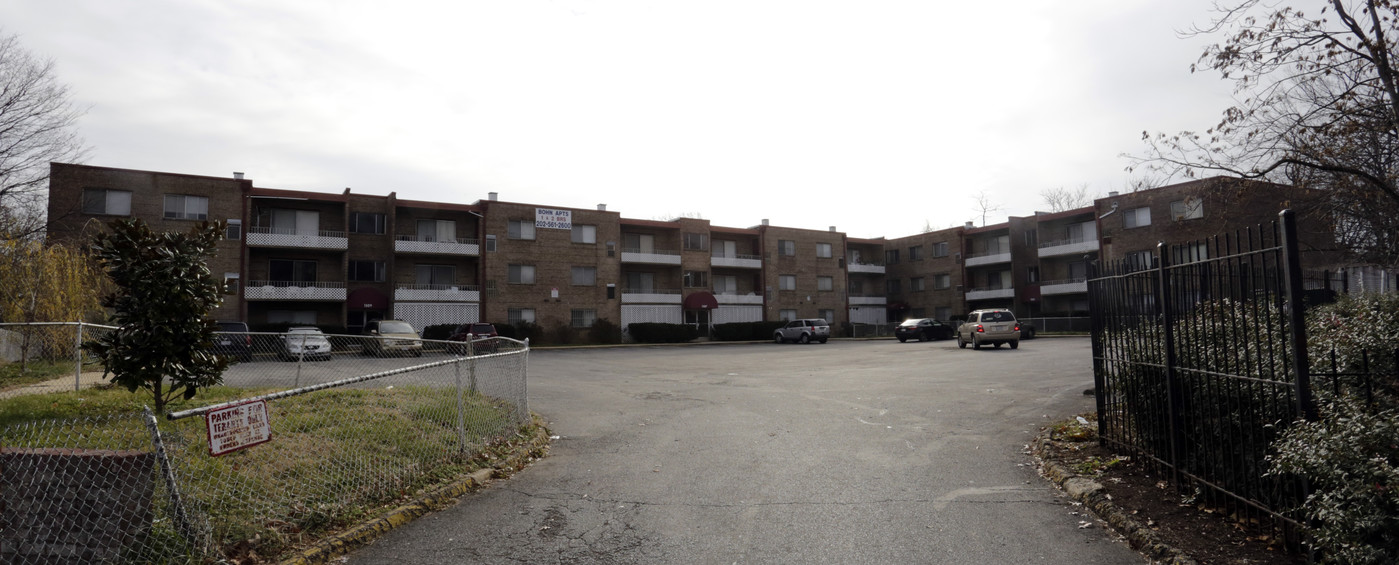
[(237, 427), (553, 219)]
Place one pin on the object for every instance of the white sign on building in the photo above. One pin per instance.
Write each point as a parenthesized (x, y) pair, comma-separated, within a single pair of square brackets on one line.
[(237, 427), (553, 219)]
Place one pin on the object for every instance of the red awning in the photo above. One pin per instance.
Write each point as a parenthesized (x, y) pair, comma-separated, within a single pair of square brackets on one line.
[(701, 300), (367, 298)]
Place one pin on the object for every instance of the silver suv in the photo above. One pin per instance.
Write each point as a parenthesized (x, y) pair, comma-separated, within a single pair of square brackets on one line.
[(803, 331), (993, 327)]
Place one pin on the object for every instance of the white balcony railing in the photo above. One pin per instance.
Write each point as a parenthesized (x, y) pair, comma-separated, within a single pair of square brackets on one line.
[(415, 244), (865, 268), (858, 300), (655, 256), (437, 293), (735, 298), (1074, 286), (736, 261), (281, 237), (650, 296), (988, 258), (1068, 247), (294, 290), (989, 293)]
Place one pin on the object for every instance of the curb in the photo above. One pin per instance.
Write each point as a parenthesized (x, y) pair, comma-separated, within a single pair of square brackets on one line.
[(1093, 497), (344, 542)]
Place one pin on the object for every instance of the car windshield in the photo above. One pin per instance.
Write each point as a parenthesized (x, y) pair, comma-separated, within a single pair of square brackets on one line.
[(483, 329), (395, 328)]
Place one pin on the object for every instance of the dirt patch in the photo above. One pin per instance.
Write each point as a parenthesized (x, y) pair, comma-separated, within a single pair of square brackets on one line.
[(1205, 534)]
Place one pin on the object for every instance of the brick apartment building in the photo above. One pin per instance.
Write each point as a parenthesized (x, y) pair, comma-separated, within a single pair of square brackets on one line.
[(343, 259)]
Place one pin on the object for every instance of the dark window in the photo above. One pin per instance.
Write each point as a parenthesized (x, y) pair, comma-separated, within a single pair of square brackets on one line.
[(367, 222), (786, 247), (367, 271), (435, 275), (696, 279), (891, 257), (286, 270)]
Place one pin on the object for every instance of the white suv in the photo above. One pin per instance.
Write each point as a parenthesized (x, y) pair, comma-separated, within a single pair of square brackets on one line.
[(803, 331), (992, 327)]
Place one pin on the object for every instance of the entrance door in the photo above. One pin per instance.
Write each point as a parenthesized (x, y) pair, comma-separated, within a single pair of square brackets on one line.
[(356, 319), (700, 319)]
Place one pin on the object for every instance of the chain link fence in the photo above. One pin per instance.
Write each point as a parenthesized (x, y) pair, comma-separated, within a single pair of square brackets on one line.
[(299, 442)]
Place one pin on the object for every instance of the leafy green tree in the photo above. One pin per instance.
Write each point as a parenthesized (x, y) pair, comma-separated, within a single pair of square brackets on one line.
[(164, 290)]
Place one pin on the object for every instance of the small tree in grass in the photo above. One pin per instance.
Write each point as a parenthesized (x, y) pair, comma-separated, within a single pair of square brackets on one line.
[(163, 291)]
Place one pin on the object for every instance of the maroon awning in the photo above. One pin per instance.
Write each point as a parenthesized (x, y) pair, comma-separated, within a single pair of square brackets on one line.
[(701, 300), (367, 298)]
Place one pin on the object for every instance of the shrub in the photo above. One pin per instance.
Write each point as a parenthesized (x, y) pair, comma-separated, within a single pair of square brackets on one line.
[(604, 331), (561, 334), (745, 331), (647, 332)]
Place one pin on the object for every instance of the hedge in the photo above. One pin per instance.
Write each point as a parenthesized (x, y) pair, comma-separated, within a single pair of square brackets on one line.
[(645, 332), (746, 331)]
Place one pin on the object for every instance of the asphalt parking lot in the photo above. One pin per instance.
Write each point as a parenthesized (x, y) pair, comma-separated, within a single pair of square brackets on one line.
[(845, 452)]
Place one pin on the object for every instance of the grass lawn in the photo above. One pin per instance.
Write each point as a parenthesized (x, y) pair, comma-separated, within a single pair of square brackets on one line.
[(35, 372)]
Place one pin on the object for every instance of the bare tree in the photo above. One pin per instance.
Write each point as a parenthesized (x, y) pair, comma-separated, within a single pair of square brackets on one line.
[(985, 205), (1063, 199), (37, 126), (1318, 108)]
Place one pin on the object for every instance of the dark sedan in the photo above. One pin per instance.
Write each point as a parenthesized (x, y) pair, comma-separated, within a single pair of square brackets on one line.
[(923, 329)]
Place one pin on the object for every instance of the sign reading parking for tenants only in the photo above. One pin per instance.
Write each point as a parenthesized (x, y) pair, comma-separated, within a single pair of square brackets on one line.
[(552, 219), (237, 427)]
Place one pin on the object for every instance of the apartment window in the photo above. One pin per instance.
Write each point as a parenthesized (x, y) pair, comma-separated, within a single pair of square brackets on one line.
[(299, 317), (638, 243), (725, 249), (826, 314), (942, 281), (584, 318), (1190, 253), (696, 279), (584, 233), (585, 276), (287, 270), (367, 271), (1078, 271), (1032, 238), (234, 230), (185, 207), (891, 257), (915, 284), (435, 276), (437, 230), (696, 242), (1032, 274), (294, 222), (786, 248), (520, 229), (825, 283), (892, 286), (490, 243), (1137, 218), (786, 315), (368, 223), (940, 249), (100, 201), (518, 315), (230, 283), (995, 279), (726, 284), (854, 286), (641, 282), (1138, 260), (787, 282), (520, 274), (1189, 209), (915, 253), (823, 250)]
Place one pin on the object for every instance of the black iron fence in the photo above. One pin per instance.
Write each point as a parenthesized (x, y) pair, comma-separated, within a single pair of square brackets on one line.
[(1196, 358)]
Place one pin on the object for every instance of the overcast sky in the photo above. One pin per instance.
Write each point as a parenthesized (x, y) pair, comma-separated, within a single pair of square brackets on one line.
[(877, 117)]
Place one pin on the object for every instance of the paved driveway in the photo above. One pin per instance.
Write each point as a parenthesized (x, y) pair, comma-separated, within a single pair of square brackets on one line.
[(847, 452)]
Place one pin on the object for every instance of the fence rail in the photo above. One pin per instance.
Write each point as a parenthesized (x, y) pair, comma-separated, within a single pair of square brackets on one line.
[(353, 428)]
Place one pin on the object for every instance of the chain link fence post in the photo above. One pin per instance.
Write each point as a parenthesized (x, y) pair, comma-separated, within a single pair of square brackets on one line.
[(178, 512)]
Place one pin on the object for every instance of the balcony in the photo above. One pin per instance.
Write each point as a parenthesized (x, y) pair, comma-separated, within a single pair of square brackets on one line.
[(1068, 247), (416, 244), (1073, 286), (653, 257), (872, 268), (437, 293), (989, 293), (295, 290), (988, 258), (868, 300), (285, 237), (735, 298), (736, 261), (650, 296)]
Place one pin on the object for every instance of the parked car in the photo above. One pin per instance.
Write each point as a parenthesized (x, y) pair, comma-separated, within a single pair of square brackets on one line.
[(305, 343), (1027, 330), (481, 337), (391, 336), (922, 329), (232, 340), (989, 327), (803, 331)]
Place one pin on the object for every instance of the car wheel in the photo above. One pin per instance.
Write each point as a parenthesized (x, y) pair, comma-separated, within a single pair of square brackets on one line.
[(903, 339), (976, 343), (1015, 344), (805, 338), (777, 338), (922, 337), (823, 340), (961, 344), (1031, 334)]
